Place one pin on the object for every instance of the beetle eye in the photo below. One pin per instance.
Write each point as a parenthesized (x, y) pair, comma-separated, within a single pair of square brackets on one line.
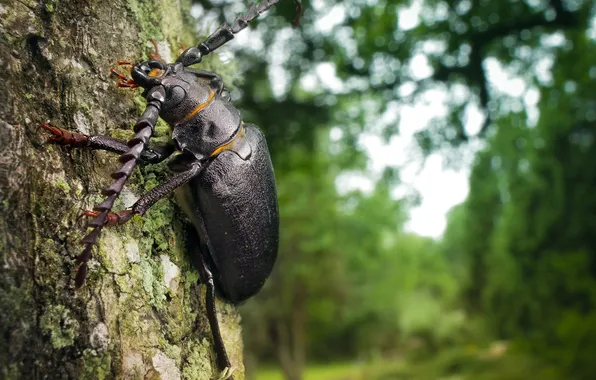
[(176, 95)]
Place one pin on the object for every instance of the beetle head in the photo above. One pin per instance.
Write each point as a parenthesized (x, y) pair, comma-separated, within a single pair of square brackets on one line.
[(151, 74), (148, 74)]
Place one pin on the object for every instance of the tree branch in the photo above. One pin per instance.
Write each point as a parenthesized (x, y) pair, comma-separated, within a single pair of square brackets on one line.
[(473, 72)]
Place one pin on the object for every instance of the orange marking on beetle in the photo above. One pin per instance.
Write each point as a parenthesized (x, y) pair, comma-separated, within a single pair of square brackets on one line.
[(228, 145), (156, 72), (198, 108)]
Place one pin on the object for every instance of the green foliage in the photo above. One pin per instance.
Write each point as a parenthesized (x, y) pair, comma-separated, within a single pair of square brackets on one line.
[(531, 266), (518, 258), (469, 364), (466, 363)]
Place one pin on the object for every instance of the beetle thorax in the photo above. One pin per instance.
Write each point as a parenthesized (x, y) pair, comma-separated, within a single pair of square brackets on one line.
[(184, 98)]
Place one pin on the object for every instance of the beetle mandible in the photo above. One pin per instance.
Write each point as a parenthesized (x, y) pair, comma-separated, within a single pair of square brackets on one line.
[(223, 177)]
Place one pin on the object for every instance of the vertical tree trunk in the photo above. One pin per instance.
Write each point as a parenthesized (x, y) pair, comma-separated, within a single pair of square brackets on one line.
[(141, 313), (289, 337)]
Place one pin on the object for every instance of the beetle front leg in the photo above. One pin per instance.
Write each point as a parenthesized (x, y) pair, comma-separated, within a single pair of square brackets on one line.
[(63, 137), (58, 136), (136, 145)]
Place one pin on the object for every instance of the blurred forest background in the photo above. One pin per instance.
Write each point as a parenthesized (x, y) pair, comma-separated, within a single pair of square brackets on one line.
[(509, 290)]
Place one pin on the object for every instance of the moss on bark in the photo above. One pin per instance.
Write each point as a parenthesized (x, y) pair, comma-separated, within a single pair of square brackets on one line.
[(141, 313)]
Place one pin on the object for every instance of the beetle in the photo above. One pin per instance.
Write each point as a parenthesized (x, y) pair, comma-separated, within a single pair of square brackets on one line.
[(223, 179)]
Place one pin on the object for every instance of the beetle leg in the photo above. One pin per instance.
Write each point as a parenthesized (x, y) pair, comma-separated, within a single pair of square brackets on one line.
[(216, 82), (223, 362), (165, 188), (112, 218), (153, 155), (76, 140), (136, 145), (62, 137), (158, 152), (146, 201)]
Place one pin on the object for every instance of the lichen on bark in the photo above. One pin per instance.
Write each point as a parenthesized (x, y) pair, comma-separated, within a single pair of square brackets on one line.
[(141, 313)]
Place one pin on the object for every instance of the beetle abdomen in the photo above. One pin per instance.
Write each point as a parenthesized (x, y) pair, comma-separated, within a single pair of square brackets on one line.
[(237, 200)]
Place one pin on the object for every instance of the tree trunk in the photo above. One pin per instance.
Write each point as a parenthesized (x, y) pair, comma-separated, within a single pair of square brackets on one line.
[(141, 314), (289, 337)]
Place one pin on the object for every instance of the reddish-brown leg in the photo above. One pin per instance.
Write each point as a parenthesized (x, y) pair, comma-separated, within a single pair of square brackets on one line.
[(104, 218), (63, 137), (76, 140), (112, 218)]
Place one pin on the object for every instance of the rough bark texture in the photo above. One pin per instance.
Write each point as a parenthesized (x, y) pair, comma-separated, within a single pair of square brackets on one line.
[(141, 313)]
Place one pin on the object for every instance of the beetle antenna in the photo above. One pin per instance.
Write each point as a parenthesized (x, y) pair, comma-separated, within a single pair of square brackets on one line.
[(144, 129), (226, 32)]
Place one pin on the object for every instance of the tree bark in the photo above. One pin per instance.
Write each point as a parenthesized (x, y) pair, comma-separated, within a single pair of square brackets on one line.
[(141, 314)]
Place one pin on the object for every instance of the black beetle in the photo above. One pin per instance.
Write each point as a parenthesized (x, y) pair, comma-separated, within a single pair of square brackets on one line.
[(224, 177)]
